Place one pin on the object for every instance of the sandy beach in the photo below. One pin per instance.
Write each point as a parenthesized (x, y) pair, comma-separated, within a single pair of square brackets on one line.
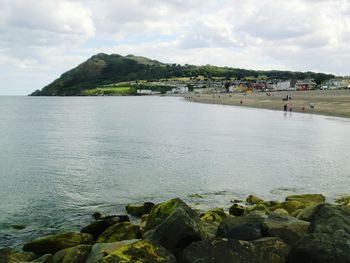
[(325, 102)]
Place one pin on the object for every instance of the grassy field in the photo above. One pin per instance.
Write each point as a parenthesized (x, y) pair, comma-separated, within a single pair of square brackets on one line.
[(326, 102), (110, 91)]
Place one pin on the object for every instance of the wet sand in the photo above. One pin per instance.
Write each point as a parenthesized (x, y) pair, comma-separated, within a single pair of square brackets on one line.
[(326, 102)]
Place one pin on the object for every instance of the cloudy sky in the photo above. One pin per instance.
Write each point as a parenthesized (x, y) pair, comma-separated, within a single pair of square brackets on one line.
[(41, 39)]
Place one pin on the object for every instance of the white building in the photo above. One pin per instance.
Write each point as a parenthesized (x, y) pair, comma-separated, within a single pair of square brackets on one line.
[(283, 85)]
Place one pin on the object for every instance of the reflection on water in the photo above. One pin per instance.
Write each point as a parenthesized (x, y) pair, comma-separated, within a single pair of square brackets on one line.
[(63, 158)]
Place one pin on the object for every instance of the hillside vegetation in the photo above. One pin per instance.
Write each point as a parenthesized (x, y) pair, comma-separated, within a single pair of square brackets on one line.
[(100, 70)]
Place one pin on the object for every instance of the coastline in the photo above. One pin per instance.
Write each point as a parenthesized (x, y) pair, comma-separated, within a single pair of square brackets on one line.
[(334, 103)]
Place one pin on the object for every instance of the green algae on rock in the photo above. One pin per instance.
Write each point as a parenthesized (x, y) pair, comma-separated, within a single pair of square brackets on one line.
[(53, 243), (215, 214), (140, 251), (139, 209), (77, 254), (119, 232)]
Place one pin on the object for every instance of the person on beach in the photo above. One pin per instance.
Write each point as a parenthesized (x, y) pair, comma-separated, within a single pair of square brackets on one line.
[(241, 102), (290, 107), (285, 107), (312, 106)]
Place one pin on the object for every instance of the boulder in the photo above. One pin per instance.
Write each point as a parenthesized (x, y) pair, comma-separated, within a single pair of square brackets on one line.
[(100, 250), (77, 254), (328, 239), (331, 219), (161, 211), (119, 232), (139, 209), (246, 227), (216, 215), (43, 259), (237, 210), (291, 206), (307, 213), (221, 250), (288, 228), (253, 199), (320, 248), (139, 251), (96, 228), (281, 211), (52, 244), (259, 208), (176, 231), (307, 199), (210, 228), (8, 255)]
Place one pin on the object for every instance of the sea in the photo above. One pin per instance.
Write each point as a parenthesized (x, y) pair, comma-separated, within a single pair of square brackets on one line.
[(64, 158)]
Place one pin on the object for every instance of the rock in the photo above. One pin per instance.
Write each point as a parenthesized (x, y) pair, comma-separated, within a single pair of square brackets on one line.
[(97, 215), (259, 208), (331, 219), (307, 199), (100, 250), (343, 200), (97, 227), (139, 209), (329, 238), (195, 196), (221, 250), (8, 255), (291, 206), (216, 214), (119, 232), (320, 248), (253, 199), (176, 231), (288, 228), (52, 244), (77, 254), (307, 213), (210, 228), (139, 251), (43, 259), (281, 211), (161, 211), (237, 210), (246, 227)]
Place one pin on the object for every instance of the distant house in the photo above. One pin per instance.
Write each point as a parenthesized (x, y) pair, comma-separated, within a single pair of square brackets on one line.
[(283, 85), (306, 84), (179, 90), (144, 91), (336, 83)]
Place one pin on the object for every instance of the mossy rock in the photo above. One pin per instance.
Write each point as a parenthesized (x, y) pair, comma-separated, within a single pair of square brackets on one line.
[(141, 252), (77, 254), (343, 200), (291, 206), (11, 255), (96, 228), (259, 208), (161, 211), (281, 211), (216, 215), (119, 232), (139, 209), (237, 210), (43, 259), (54, 243), (307, 199), (271, 205), (253, 199)]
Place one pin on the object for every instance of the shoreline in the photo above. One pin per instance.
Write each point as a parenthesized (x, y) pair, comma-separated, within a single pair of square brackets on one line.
[(329, 103), (294, 230)]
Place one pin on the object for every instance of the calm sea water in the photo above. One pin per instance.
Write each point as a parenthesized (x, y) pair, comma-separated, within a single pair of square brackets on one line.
[(63, 158)]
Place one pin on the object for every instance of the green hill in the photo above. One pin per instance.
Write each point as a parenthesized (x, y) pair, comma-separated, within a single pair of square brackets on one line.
[(102, 69)]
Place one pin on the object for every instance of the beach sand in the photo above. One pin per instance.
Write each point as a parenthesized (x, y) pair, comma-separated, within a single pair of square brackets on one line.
[(326, 102)]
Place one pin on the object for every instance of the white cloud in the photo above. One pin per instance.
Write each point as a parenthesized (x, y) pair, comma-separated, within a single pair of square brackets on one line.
[(45, 38)]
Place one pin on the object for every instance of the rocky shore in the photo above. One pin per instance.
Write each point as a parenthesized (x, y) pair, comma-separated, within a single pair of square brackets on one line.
[(303, 228)]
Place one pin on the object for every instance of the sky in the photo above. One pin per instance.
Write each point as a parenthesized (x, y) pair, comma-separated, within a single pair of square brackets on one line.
[(41, 39)]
